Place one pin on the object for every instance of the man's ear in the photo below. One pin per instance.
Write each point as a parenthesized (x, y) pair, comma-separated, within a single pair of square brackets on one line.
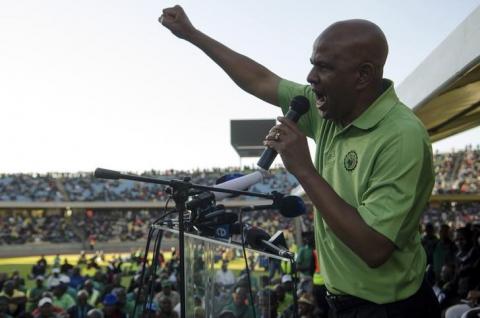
[(366, 75)]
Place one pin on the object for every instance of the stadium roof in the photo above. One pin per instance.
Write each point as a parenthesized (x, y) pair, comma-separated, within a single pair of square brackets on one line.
[(444, 89)]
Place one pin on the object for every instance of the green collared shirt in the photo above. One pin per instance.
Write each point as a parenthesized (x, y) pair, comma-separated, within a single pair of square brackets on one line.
[(380, 164)]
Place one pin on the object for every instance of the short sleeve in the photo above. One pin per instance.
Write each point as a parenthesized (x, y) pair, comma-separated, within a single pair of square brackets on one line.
[(399, 187), (287, 90)]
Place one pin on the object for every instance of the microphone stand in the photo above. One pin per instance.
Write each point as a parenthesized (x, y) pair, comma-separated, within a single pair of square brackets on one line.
[(180, 191)]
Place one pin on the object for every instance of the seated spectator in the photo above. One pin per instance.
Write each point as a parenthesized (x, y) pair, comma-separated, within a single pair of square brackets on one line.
[(110, 308), (227, 313), (38, 269), (267, 304), (225, 277), (239, 306), (429, 241), (132, 300), (95, 313), (198, 309), (60, 296), (304, 257), (284, 299), (306, 306), (287, 283), (46, 309), (66, 267), (42, 262), (16, 299), (76, 279), (166, 309), (149, 312), (93, 293), (444, 251), (467, 310), (167, 292), (4, 310), (467, 273), (122, 302), (56, 261), (445, 288), (65, 282), (81, 309), (35, 293), (82, 260), (116, 282), (54, 278)]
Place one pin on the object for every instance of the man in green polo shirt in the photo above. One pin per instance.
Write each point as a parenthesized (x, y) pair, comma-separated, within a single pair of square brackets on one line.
[(372, 174)]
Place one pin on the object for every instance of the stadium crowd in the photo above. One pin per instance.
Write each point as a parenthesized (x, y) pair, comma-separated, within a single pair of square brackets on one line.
[(39, 226), (450, 237), (456, 172), (85, 187), (94, 287), (86, 289), (119, 225)]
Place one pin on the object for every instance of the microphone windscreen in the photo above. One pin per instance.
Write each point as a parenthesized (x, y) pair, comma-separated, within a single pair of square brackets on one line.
[(255, 236), (292, 206), (238, 184), (228, 177), (300, 104), (106, 174)]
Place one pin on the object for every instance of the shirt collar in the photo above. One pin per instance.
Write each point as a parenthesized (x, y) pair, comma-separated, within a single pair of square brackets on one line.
[(380, 107)]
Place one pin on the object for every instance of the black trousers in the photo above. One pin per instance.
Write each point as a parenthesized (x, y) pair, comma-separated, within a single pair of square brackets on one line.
[(422, 304)]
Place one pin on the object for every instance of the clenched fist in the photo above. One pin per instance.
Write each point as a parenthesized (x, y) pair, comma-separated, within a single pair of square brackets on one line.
[(176, 20)]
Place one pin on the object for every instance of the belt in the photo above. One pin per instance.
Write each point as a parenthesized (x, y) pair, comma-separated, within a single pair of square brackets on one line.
[(344, 302)]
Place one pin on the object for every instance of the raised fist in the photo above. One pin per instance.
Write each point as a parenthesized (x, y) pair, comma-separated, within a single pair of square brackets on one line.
[(176, 20)]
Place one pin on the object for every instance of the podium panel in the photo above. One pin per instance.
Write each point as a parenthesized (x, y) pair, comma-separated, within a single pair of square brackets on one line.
[(216, 282)]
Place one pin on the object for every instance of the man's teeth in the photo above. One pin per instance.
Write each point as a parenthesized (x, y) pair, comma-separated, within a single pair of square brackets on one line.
[(321, 101)]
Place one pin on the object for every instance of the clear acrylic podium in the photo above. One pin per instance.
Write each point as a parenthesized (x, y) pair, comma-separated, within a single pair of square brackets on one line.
[(210, 292)]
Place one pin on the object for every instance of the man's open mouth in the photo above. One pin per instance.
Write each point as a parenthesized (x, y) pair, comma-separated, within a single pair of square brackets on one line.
[(321, 100)]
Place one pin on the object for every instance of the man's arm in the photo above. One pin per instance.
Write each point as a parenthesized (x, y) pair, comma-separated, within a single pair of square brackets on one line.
[(252, 77), (344, 220)]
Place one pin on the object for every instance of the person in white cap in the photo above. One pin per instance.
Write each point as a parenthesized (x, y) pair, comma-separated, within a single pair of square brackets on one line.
[(54, 276), (45, 309), (95, 313)]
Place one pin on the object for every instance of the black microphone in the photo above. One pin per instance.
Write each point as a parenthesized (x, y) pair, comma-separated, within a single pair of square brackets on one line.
[(298, 106), (106, 174), (258, 239), (202, 214), (289, 206), (218, 218), (202, 201), (235, 228)]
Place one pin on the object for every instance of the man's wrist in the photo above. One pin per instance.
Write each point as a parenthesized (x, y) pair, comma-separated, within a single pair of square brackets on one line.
[(193, 36), (305, 173)]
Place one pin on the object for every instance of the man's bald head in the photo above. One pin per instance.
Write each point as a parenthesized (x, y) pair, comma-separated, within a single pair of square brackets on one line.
[(347, 73), (358, 40)]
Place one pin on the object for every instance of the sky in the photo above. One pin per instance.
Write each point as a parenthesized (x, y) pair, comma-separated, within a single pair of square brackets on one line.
[(86, 84)]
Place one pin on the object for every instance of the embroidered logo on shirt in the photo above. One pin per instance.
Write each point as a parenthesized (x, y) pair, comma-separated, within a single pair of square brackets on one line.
[(350, 161)]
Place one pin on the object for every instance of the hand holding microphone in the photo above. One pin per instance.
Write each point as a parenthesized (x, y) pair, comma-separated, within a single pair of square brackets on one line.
[(287, 140), (277, 138)]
